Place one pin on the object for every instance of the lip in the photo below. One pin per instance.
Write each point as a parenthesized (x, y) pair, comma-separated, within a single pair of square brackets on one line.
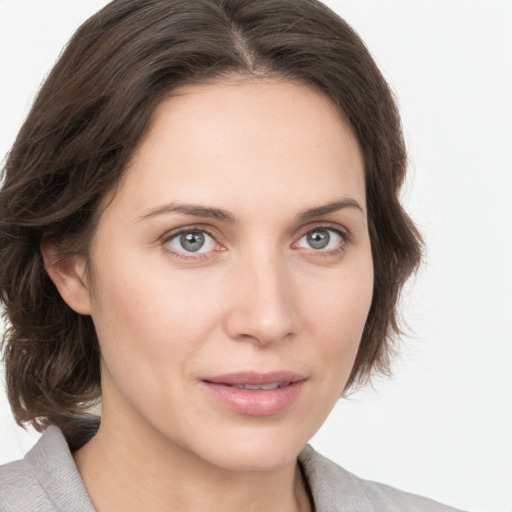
[(255, 402)]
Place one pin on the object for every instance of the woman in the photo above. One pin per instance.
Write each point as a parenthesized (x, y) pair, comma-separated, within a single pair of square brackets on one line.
[(200, 225)]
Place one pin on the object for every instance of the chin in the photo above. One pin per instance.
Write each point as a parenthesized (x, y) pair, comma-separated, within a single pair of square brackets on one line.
[(249, 459), (260, 452)]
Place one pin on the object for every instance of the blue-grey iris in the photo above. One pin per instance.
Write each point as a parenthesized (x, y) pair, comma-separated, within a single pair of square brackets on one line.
[(318, 239), (192, 241)]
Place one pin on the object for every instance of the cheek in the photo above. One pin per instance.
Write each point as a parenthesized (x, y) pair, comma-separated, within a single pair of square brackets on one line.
[(337, 315), (151, 330), (151, 313), (342, 301)]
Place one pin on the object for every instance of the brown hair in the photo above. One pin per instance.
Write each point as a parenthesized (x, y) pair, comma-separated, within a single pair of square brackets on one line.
[(89, 117)]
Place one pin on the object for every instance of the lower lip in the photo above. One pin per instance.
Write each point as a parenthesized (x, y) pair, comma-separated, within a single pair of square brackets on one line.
[(255, 402)]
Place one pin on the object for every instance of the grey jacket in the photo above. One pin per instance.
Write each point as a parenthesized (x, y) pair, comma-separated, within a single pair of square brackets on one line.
[(48, 480)]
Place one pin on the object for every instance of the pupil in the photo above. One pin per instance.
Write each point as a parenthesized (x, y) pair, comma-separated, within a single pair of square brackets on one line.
[(318, 239), (192, 242)]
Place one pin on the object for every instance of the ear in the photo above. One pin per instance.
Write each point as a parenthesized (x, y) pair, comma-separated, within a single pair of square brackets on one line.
[(69, 276)]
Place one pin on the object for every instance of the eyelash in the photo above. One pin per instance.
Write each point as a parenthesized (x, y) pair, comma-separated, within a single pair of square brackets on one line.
[(182, 255), (343, 234)]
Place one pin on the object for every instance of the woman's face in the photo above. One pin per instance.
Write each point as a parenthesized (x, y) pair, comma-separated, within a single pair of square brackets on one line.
[(231, 274)]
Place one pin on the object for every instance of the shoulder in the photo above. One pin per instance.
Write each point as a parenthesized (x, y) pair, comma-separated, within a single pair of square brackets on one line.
[(335, 489), (46, 479)]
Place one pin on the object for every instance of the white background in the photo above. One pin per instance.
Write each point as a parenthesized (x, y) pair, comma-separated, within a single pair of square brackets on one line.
[(442, 426)]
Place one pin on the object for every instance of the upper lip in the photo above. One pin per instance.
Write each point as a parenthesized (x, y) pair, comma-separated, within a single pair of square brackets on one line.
[(255, 378)]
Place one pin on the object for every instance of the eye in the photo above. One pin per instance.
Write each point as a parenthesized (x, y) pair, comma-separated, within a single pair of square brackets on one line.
[(321, 239), (192, 241)]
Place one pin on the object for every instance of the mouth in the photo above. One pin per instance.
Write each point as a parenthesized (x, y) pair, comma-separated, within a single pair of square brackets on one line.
[(255, 394), (274, 379), (272, 385)]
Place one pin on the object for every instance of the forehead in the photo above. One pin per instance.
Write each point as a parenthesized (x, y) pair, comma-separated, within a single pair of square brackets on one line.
[(254, 140)]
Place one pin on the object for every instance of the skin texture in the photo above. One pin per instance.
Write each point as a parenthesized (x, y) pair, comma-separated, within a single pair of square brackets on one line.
[(256, 297)]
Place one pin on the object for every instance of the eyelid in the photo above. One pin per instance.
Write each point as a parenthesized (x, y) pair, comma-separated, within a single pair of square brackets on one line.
[(170, 235), (343, 232)]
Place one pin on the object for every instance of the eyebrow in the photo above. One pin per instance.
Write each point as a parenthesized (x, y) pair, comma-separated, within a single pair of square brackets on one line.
[(190, 209), (225, 216), (330, 208)]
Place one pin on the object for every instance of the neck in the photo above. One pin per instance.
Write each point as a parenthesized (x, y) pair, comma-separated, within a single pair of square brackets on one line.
[(129, 467)]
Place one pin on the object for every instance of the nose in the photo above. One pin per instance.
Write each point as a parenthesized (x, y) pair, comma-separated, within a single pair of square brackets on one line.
[(262, 309)]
